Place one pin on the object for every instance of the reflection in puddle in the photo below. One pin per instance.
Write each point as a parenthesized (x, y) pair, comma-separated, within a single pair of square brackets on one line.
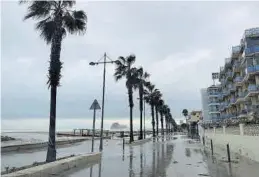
[(152, 159), (187, 152)]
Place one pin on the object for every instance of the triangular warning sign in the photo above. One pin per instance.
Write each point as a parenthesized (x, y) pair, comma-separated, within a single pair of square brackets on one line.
[(95, 105)]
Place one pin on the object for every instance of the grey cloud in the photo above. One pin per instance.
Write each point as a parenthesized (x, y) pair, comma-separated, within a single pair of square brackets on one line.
[(178, 43)]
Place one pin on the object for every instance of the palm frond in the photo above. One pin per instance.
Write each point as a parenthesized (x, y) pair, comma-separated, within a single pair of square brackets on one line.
[(47, 28), (146, 75), (122, 60), (131, 59), (75, 22), (118, 77), (38, 9), (68, 3)]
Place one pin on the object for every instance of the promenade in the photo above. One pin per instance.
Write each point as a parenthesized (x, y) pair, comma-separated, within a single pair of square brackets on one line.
[(165, 156)]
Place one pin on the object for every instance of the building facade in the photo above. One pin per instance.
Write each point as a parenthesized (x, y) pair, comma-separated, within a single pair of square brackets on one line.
[(214, 94), (204, 103), (239, 79)]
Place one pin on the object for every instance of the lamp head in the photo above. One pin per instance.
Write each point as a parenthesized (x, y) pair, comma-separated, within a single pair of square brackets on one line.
[(92, 63)]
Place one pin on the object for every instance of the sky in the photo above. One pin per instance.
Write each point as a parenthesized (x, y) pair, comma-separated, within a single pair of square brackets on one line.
[(179, 43)]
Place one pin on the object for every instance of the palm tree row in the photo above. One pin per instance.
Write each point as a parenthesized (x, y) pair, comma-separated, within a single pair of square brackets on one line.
[(137, 79), (56, 19)]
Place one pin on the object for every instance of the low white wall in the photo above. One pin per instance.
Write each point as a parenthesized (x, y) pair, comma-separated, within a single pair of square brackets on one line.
[(37, 145), (247, 146), (57, 167)]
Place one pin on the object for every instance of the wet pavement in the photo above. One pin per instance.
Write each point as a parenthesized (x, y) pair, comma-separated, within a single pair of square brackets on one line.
[(164, 157)]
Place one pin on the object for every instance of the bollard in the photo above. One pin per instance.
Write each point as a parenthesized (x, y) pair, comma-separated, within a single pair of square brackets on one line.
[(123, 143), (203, 140), (228, 152), (211, 145)]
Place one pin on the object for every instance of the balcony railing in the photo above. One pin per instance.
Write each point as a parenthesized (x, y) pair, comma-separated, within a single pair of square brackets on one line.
[(227, 60), (236, 49), (252, 32), (213, 101), (251, 69), (252, 50), (241, 95), (232, 100), (229, 74), (253, 87), (243, 111), (213, 93), (238, 79), (222, 69), (213, 110), (236, 65)]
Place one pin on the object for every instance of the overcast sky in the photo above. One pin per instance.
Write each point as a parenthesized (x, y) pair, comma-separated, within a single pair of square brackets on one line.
[(178, 43)]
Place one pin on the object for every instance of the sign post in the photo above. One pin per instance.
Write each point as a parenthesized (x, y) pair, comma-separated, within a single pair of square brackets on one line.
[(95, 105)]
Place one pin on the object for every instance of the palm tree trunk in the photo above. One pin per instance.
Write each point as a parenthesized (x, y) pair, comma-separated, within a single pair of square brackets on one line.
[(162, 122), (157, 121), (141, 112), (51, 153), (54, 77), (153, 120), (130, 92)]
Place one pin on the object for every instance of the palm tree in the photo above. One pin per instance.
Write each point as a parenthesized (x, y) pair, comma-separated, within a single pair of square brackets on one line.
[(149, 93), (54, 20), (156, 98), (141, 80), (124, 69), (166, 111), (185, 113), (161, 111)]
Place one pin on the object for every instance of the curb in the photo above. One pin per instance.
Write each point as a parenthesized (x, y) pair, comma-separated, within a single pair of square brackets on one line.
[(57, 167)]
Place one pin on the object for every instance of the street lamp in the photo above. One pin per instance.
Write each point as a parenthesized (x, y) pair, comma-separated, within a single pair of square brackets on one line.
[(144, 115), (103, 94)]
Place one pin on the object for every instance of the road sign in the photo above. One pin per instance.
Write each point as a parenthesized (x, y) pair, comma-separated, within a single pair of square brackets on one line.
[(95, 105)]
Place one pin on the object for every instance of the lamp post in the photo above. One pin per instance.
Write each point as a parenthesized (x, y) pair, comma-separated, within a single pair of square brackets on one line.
[(103, 92)]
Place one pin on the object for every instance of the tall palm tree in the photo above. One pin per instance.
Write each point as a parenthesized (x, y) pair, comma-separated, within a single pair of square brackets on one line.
[(156, 97), (165, 110), (54, 20), (185, 113), (124, 69), (149, 94), (141, 80), (161, 111)]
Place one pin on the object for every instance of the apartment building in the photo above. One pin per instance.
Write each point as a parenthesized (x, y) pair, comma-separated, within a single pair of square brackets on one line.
[(204, 103), (239, 78)]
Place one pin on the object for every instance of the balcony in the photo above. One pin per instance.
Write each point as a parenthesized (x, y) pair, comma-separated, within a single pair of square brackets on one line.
[(252, 50), (236, 50), (222, 69), (229, 75), (213, 101), (250, 69), (236, 66), (252, 32), (242, 113), (252, 88), (233, 100), (231, 87), (214, 94), (238, 79), (228, 62)]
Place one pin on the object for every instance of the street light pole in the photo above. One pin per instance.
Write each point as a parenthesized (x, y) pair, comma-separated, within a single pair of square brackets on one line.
[(103, 94), (104, 74), (144, 119)]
